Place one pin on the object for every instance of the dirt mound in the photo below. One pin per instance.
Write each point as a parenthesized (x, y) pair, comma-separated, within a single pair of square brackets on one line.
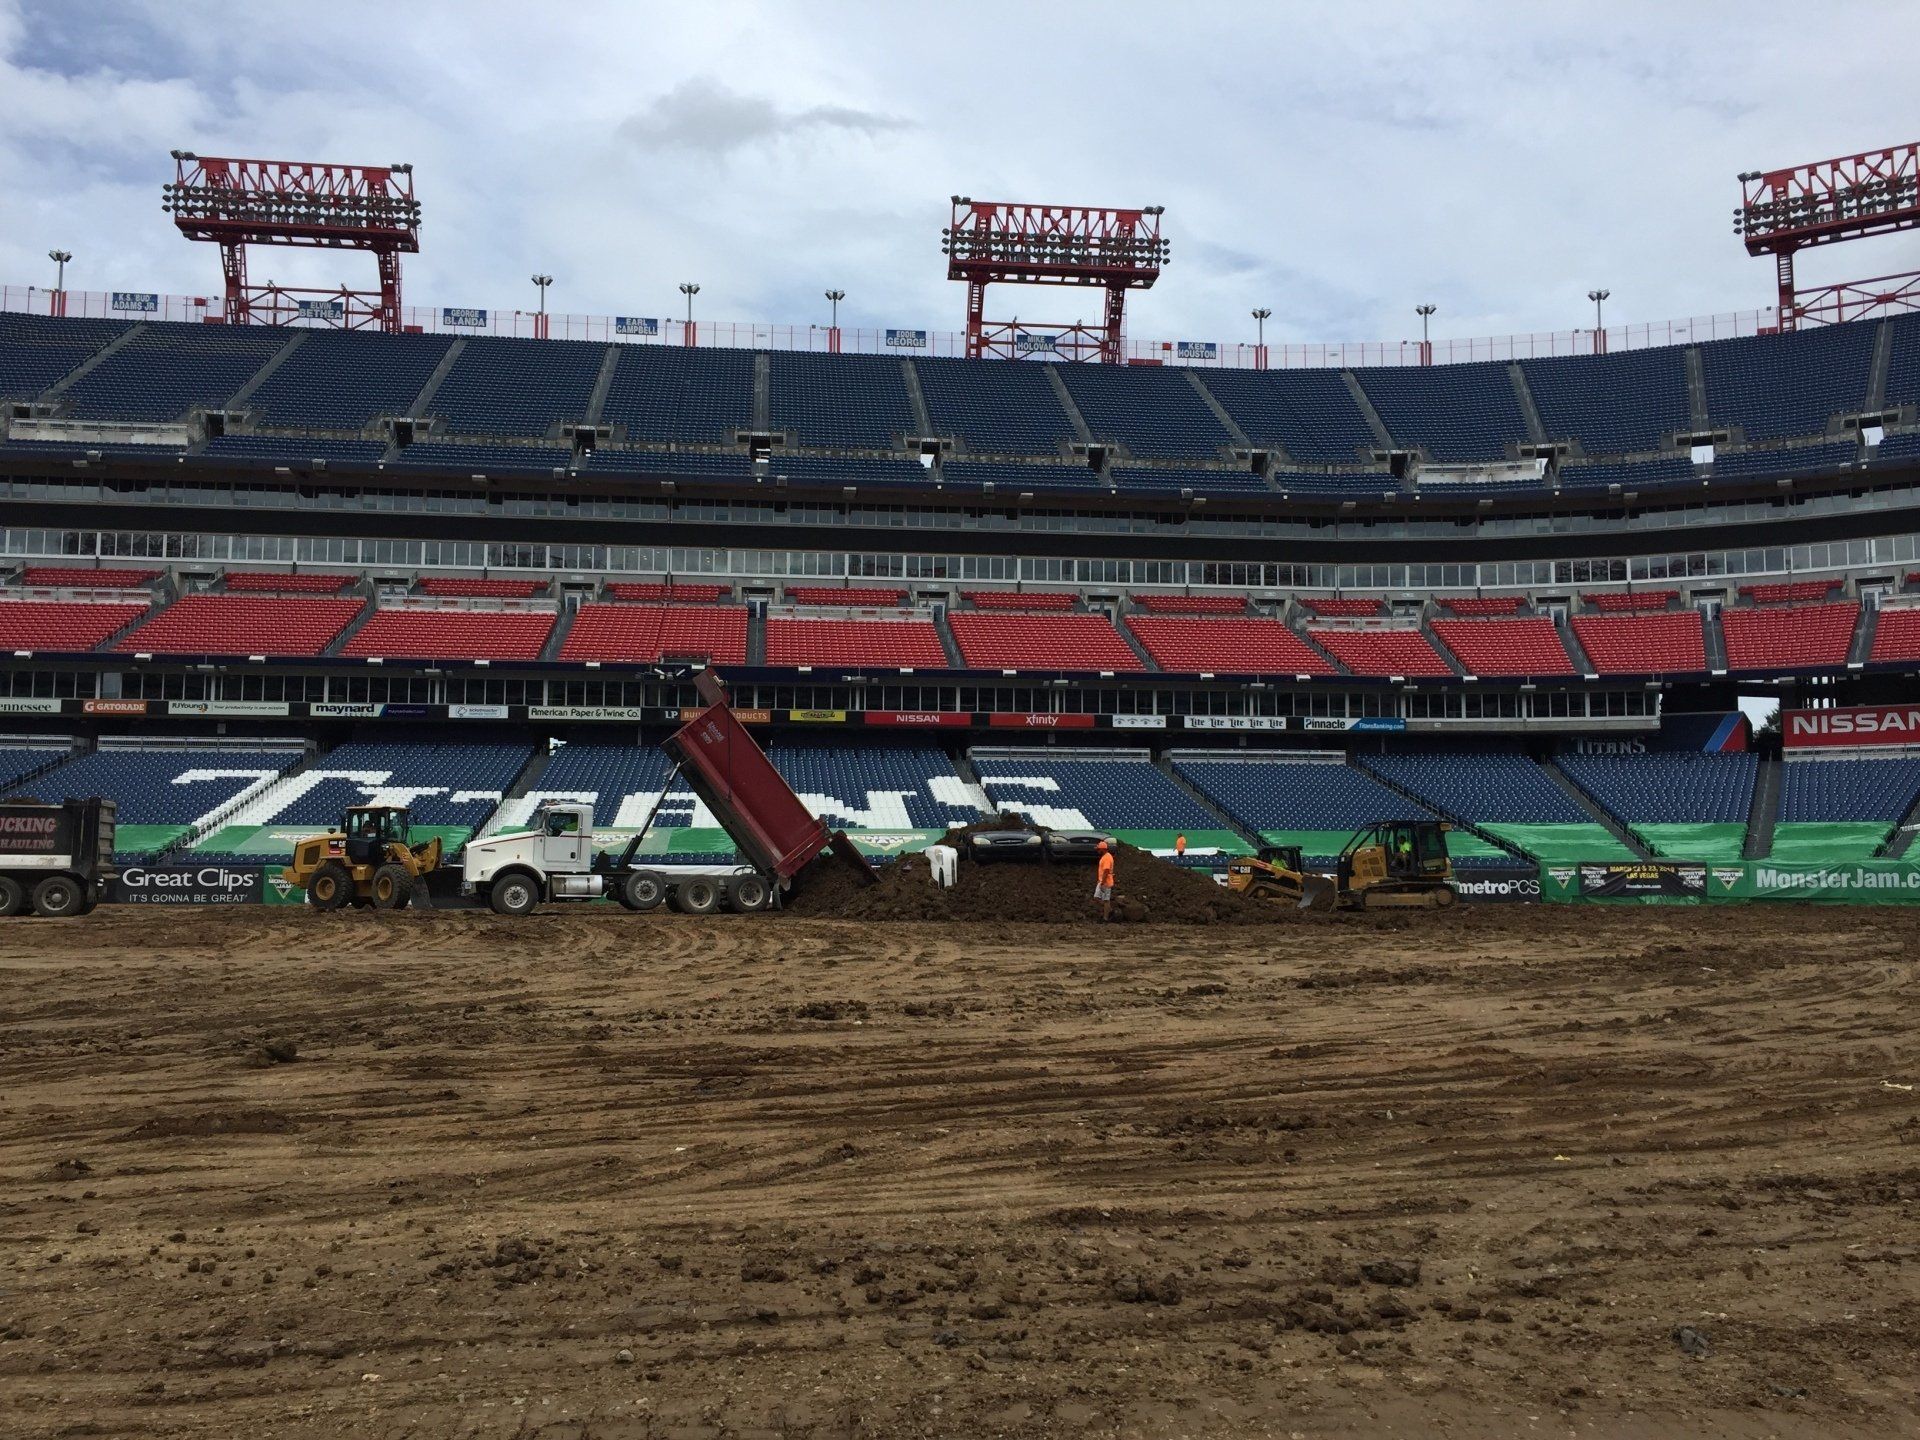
[(214, 1122), (1147, 890)]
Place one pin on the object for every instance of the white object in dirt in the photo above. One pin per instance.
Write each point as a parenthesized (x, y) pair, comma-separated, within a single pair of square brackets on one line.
[(944, 861)]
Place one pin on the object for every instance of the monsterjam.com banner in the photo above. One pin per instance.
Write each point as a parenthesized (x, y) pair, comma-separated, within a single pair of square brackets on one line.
[(1850, 725)]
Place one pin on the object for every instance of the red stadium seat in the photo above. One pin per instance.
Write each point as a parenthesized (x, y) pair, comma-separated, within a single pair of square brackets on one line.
[(1790, 592), (268, 582), (1382, 652), (854, 595), (1896, 636), (1479, 604), (1191, 604), (78, 577), (1673, 643), (677, 591), (1336, 607), (913, 643), (1041, 642), (1790, 637), (1020, 600), (481, 589), (647, 634), (453, 635), (54, 625), (1630, 600), (243, 625), (1235, 646), (1505, 647)]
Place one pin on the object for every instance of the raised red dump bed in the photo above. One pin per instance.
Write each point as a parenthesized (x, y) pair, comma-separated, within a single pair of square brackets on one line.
[(726, 768)]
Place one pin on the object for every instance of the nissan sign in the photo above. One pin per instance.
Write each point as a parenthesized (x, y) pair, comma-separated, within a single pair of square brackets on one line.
[(1854, 725)]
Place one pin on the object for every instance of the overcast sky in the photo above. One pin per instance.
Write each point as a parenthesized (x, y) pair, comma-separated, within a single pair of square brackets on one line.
[(1336, 162)]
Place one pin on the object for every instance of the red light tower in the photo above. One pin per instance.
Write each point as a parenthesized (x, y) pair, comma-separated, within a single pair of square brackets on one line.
[(1785, 211), (237, 203), (1087, 246)]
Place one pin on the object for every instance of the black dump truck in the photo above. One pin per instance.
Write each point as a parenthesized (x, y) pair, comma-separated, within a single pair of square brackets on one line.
[(55, 860)]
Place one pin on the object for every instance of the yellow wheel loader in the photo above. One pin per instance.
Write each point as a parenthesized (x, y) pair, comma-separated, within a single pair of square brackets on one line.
[(368, 860), (1390, 864)]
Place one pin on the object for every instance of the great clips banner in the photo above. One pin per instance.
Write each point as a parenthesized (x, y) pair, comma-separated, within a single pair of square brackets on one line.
[(1852, 725)]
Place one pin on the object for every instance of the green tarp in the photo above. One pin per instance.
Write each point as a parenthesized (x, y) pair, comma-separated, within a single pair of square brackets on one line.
[(146, 839), (1827, 842), (1560, 844), (1694, 841), (1871, 882), (271, 842), (1461, 844)]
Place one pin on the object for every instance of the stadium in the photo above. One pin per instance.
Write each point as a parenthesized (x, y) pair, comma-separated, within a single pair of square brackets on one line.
[(268, 554)]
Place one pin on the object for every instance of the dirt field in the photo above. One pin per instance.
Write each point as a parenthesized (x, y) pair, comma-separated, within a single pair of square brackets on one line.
[(597, 1175)]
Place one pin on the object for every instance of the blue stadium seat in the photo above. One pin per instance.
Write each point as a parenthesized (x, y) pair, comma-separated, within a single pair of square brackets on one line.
[(166, 371), (848, 470), (1309, 413), (475, 457), (876, 787), (1012, 479), (698, 464), (336, 380), (37, 350), (1108, 794), (1627, 401), (997, 407), (1480, 786), (1668, 787), (1896, 449), (670, 394), (1298, 794), (1801, 460), (18, 761), (1842, 790), (294, 449), (1670, 472), (147, 784), (1200, 482), (459, 781), (517, 387), (1155, 413), (1453, 412), (856, 401), (612, 774), (1372, 485), (1787, 385), (1903, 362)]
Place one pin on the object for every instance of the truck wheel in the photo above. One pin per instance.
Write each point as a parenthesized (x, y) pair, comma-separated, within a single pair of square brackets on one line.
[(747, 893), (643, 890), (330, 887), (514, 895), (392, 887), (58, 896), (13, 898), (698, 896)]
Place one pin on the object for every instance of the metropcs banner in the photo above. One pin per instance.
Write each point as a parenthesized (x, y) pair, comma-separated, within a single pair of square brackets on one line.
[(1851, 725)]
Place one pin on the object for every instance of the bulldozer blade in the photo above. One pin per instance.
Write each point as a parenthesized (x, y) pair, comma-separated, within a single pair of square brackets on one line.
[(1317, 892)]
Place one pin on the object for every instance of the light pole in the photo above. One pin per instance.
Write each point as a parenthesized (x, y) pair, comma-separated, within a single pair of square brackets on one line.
[(834, 297), (689, 289), (1599, 325), (1260, 318), (60, 259), (540, 317), (1426, 345)]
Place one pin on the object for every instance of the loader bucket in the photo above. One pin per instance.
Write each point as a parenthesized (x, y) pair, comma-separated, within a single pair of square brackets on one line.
[(1318, 892)]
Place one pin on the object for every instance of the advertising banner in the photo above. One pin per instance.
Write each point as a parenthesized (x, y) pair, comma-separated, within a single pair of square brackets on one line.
[(476, 712), (35, 830), (1196, 350), (187, 885), (343, 710), (817, 717), (912, 339), (923, 719), (585, 712), (1643, 880), (134, 300), (113, 707), (1864, 882), (1850, 725), (29, 705), (635, 325), (466, 319), (228, 707), (1501, 885), (1137, 722), (1234, 722), (745, 717), (1041, 722), (1375, 723)]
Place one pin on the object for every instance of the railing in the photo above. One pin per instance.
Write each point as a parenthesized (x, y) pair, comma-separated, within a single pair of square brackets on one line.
[(823, 339)]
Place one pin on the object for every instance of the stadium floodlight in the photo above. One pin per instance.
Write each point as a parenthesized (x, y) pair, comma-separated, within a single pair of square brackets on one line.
[(834, 297), (1598, 297), (1423, 311), (543, 281), (1260, 318), (60, 259), (689, 289)]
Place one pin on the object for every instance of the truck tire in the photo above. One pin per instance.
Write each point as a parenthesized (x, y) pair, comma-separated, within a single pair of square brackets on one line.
[(698, 895), (748, 893), (514, 893), (391, 887), (643, 890), (58, 896), (330, 887), (13, 896)]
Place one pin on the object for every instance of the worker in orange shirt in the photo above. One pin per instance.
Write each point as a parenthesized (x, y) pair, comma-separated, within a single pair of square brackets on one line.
[(1103, 881), (1179, 846)]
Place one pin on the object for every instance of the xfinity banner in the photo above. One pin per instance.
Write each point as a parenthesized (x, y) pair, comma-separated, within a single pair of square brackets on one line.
[(464, 319), (1852, 725), (635, 325), (911, 339), (187, 885)]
